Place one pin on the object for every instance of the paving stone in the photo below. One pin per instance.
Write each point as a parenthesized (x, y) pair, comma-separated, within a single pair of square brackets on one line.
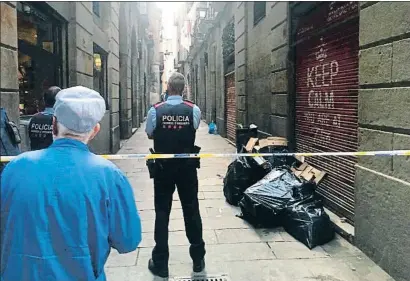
[(332, 269), (216, 253), (233, 236), (296, 250), (286, 236), (256, 270), (115, 259), (339, 247), (146, 205), (211, 181), (213, 195), (366, 268), (133, 273), (215, 203), (270, 235), (224, 223), (212, 188), (213, 212), (177, 238)]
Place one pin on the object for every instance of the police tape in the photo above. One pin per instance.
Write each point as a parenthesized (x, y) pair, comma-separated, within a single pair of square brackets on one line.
[(230, 155)]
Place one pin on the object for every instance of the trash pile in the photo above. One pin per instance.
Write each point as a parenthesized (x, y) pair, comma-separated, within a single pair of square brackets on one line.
[(278, 191)]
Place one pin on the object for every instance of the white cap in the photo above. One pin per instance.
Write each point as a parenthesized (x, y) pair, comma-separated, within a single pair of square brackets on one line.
[(79, 108)]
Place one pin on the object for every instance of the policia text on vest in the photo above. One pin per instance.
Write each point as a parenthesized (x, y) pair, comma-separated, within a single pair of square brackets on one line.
[(40, 131), (174, 133)]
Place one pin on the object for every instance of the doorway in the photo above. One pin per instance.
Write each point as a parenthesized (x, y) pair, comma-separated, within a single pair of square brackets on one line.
[(40, 49)]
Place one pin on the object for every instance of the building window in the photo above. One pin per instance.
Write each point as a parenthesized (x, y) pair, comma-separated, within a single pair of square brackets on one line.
[(96, 8), (100, 73), (259, 12), (40, 53)]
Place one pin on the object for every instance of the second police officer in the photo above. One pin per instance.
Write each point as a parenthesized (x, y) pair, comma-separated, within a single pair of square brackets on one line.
[(40, 128), (172, 124)]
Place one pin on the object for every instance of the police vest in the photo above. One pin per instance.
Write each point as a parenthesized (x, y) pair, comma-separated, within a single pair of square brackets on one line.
[(174, 132), (40, 131)]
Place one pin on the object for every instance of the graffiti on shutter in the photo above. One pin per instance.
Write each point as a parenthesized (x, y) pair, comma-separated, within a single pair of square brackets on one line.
[(327, 98), (230, 98)]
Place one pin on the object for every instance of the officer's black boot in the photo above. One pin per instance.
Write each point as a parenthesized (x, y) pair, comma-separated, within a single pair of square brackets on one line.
[(158, 271), (199, 265)]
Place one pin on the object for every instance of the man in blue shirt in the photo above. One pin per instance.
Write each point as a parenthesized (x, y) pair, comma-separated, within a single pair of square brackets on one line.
[(63, 208), (40, 127), (172, 124)]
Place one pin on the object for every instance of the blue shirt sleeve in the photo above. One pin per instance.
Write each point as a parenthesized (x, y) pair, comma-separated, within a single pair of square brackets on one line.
[(125, 232), (151, 121), (197, 116)]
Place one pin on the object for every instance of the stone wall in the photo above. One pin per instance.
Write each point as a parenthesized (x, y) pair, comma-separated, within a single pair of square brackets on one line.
[(383, 183), (114, 76), (241, 56), (8, 61), (266, 73), (83, 31)]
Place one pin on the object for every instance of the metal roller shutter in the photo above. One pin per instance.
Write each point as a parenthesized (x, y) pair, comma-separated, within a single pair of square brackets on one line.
[(327, 97), (230, 98)]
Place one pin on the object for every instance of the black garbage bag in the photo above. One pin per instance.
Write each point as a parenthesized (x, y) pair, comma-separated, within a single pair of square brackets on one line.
[(237, 180), (264, 202), (308, 222), (241, 174), (278, 161)]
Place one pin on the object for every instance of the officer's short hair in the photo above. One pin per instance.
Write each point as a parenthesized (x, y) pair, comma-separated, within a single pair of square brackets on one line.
[(177, 82), (50, 96)]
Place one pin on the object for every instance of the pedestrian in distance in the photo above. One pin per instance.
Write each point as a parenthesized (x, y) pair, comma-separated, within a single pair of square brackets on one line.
[(172, 125), (164, 96), (63, 207), (40, 128)]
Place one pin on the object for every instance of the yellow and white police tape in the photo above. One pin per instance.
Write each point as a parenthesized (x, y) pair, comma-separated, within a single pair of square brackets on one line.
[(227, 155)]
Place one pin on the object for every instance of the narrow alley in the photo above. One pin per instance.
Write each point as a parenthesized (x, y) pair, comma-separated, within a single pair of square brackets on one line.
[(234, 248)]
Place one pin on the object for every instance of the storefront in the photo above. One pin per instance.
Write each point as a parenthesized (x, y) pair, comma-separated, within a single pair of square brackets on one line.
[(326, 101), (40, 54)]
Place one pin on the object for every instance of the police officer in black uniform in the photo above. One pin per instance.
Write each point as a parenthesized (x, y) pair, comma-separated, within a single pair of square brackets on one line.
[(172, 124), (40, 128)]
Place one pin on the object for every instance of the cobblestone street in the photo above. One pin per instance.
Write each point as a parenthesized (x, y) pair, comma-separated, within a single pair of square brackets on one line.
[(234, 248)]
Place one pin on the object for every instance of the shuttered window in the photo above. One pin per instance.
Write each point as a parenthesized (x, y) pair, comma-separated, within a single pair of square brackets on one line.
[(259, 12)]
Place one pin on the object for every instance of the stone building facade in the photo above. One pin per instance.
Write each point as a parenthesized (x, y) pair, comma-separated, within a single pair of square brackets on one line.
[(100, 45), (383, 183), (287, 91)]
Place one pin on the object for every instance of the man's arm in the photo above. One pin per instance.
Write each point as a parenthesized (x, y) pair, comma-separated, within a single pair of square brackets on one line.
[(151, 122), (197, 116), (29, 128), (124, 221)]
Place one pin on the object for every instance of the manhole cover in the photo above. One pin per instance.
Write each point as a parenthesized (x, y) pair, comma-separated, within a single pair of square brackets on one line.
[(222, 277)]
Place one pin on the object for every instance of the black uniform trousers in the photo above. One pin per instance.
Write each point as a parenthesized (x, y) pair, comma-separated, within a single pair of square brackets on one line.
[(185, 178)]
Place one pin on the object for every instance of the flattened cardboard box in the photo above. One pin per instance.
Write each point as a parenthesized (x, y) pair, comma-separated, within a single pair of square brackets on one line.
[(273, 141), (259, 160), (307, 172), (304, 171)]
